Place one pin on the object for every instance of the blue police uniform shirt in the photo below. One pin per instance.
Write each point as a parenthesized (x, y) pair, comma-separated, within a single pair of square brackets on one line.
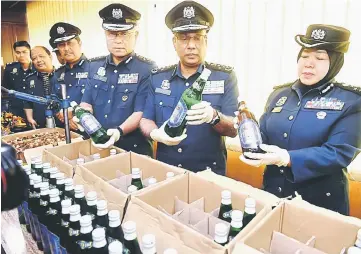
[(14, 78), (204, 147), (35, 86), (116, 92), (321, 131)]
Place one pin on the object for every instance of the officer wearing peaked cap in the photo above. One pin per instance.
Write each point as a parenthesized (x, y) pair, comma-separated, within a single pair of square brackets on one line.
[(209, 120), (311, 127), (118, 83), (74, 73)]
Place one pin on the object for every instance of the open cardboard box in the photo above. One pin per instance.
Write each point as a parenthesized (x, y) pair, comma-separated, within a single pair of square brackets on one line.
[(144, 209), (301, 221), (107, 168), (37, 151)]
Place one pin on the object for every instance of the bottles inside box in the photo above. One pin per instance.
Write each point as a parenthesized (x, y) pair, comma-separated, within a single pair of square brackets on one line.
[(226, 206), (115, 247), (136, 180), (236, 224), (221, 234), (102, 219), (148, 244), (131, 244)]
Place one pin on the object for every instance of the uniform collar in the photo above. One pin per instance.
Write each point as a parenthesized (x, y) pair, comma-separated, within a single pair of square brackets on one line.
[(50, 74), (322, 89), (79, 63), (177, 71), (126, 62)]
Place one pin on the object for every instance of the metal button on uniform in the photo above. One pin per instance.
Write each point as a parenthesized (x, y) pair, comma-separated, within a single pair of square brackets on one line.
[(23, 87), (68, 96), (290, 118), (71, 73), (161, 103), (96, 86), (180, 165), (299, 103), (328, 194), (108, 101), (187, 84), (70, 85), (180, 150), (135, 145), (285, 135), (23, 79), (214, 163), (281, 171), (106, 116), (208, 168), (126, 90), (115, 71), (279, 189), (112, 86)]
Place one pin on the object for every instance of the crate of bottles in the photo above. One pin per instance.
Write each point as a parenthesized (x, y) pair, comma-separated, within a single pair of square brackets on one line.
[(197, 212), (298, 227), (131, 172)]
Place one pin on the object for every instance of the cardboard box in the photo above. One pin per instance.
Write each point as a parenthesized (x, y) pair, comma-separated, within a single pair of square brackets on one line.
[(145, 209), (37, 151), (107, 168), (301, 221)]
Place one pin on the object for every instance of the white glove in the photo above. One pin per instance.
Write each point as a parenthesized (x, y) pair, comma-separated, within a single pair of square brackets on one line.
[(114, 137), (200, 113), (76, 121), (162, 137), (273, 156)]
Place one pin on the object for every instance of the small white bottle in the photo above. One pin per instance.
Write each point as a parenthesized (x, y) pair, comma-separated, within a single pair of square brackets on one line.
[(132, 188), (115, 247), (113, 152), (221, 234), (148, 244), (152, 181), (170, 251), (99, 241), (96, 156), (80, 161)]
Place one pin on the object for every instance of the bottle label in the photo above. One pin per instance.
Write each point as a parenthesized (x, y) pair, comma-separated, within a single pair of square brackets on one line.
[(52, 186), (91, 215), (126, 250), (64, 223), (43, 203), (178, 114), (84, 244), (90, 124), (34, 195), (227, 215), (73, 232), (111, 239), (45, 238), (52, 211), (249, 134)]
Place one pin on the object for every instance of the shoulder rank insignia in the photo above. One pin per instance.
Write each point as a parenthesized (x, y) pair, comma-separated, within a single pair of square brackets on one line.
[(98, 58), (144, 59), (355, 89), (219, 67), (283, 85), (163, 69)]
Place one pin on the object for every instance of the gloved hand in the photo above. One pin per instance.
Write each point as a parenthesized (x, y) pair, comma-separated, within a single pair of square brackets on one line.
[(114, 137), (200, 113), (273, 156), (162, 137), (76, 122)]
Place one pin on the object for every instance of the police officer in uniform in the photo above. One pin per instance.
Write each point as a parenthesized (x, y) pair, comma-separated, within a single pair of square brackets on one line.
[(15, 73), (74, 73), (312, 126), (118, 83), (203, 146), (39, 83), (56, 51)]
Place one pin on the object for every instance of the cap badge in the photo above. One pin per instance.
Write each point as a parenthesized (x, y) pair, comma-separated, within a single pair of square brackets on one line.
[(60, 30), (117, 13), (318, 34), (188, 12), (15, 70)]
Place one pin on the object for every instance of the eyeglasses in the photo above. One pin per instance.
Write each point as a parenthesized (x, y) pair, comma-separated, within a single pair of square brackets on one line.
[(122, 35), (185, 39)]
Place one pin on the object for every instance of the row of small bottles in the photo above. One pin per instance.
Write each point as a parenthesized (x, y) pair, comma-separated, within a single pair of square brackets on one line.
[(95, 156), (237, 218)]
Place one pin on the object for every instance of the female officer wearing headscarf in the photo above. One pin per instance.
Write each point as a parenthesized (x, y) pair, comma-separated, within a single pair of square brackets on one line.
[(312, 127)]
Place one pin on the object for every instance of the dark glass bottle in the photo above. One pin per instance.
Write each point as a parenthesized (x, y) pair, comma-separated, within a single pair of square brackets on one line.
[(69, 190), (52, 179), (100, 245), (226, 206), (249, 211), (80, 198), (91, 208), (33, 205), (74, 229), (248, 130), (136, 178), (236, 224), (43, 220), (221, 234), (115, 247), (32, 163), (38, 168), (64, 222), (24, 207), (102, 219), (192, 95), (114, 231), (131, 244), (60, 184), (85, 242), (46, 172), (148, 243)]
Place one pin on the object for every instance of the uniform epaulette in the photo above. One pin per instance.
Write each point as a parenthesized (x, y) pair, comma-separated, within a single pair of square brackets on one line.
[(59, 68), (96, 58), (145, 59), (219, 67), (9, 64), (355, 89), (163, 69), (34, 72), (283, 85)]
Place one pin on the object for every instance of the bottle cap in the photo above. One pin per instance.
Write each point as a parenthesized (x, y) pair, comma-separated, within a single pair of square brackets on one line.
[(152, 181), (98, 234), (115, 247), (353, 250), (148, 241), (34, 159), (46, 165), (91, 196), (113, 151), (102, 205), (44, 186), (135, 171), (226, 194), (53, 193), (68, 182), (37, 179), (27, 170), (170, 251), (237, 216), (250, 203), (66, 203), (53, 171), (129, 227), (20, 162), (80, 161), (74, 209), (114, 215), (85, 221), (132, 188), (96, 156), (79, 189), (221, 229), (59, 176), (73, 104)]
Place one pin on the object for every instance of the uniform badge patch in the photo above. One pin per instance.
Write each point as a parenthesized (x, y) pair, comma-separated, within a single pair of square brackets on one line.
[(15, 70), (321, 115), (277, 109), (165, 84), (188, 12), (117, 13), (32, 83), (101, 71), (131, 78), (325, 103), (124, 98), (281, 101), (60, 30)]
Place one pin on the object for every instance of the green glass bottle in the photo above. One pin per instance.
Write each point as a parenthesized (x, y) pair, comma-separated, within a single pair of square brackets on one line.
[(136, 179), (148, 244), (236, 224), (249, 211), (221, 234), (192, 95), (131, 244), (90, 124), (225, 210)]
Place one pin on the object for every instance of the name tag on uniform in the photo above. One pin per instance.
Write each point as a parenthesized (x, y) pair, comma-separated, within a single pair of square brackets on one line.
[(81, 75), (325, 103), (162, 91), (131, 78), (214, 87)]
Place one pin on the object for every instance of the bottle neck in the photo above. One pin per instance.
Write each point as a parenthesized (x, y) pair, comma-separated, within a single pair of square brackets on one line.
[(87, 229), (227, 201), (69, 187), (220, 239), (91, 202), (250, 210), (102, 212), (149, 250), (130, 237), (114, 223), (236, 224), (55, 199), (99, 244), (75, 217)]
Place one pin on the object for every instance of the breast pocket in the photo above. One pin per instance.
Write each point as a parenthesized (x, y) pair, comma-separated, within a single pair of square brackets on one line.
[(164, 106), (125, 95), (99, 93), (214, 99)]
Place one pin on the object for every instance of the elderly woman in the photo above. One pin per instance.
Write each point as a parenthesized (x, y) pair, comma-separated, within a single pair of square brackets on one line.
[(312, 127)]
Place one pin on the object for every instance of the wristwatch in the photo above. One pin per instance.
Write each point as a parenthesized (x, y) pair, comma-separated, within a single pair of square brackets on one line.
[(216, 119), (120, 132)]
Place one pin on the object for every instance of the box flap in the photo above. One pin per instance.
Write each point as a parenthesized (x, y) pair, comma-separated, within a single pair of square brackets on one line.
[(65, 168)]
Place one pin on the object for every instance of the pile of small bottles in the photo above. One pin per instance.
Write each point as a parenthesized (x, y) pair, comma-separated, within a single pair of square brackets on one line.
[(237, 218)]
